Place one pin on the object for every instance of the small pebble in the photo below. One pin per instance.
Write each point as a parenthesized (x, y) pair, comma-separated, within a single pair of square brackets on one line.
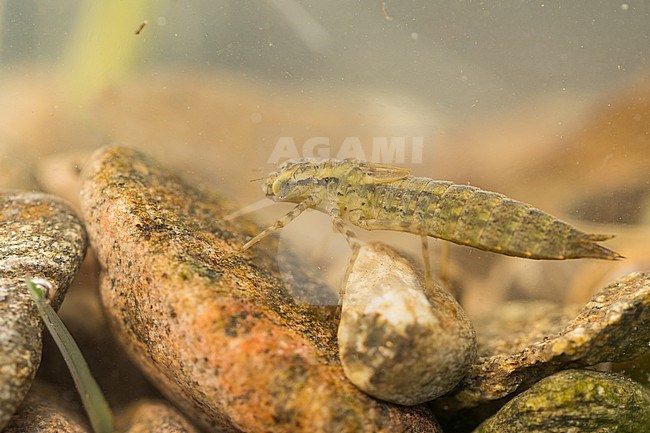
[(397, 343)]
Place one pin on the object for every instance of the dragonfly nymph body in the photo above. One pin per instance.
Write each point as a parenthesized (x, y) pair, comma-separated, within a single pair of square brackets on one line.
[(382, 197)]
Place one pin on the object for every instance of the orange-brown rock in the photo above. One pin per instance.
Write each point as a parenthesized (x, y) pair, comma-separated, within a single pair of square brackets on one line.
[(215, 329)]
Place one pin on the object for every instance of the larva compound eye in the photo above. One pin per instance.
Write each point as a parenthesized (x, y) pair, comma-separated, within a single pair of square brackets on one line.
[(280, 185), (294, 181)]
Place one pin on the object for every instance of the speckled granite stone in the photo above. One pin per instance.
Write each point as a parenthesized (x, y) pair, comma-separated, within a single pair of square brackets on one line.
[(216, 329), (40, 237)]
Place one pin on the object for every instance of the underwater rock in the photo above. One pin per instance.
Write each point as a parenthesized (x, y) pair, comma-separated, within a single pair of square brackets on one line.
[(613, 326), (214, 328), (155, 416), (45, 411), (40, 237), (575, 401), (396, 342)]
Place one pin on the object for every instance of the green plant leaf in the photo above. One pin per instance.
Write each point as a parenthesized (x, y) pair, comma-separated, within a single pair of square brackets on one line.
[(92, 397)]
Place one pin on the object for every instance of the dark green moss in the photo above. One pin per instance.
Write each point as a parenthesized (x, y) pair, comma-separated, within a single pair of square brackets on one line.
[(576, 400)]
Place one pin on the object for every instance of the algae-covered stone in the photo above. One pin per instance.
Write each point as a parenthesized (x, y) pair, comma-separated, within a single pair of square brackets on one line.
[(575, 401), (40, 237), (613, 326), (398, 342), (214, 328)]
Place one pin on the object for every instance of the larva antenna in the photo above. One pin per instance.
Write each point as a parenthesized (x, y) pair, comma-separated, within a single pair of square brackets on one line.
[(259, 170), (260, 204)]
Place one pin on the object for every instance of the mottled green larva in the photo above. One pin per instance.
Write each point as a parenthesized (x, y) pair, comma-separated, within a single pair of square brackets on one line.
[(383, 197)]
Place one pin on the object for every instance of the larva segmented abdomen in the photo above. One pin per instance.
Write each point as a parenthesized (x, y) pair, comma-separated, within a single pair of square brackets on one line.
[(494, 222), (489, 221)]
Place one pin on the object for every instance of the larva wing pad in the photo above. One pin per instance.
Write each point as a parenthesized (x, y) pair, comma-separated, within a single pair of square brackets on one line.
[(382, 173)]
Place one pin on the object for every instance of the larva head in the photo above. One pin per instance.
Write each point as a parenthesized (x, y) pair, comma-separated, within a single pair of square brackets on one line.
[(294, 181)]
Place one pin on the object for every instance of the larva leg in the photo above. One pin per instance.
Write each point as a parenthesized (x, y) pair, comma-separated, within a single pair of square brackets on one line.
[(279, 224), (444, 264), (445, 272), (342, 228), (355, 245), (428, 282), (404, 227)]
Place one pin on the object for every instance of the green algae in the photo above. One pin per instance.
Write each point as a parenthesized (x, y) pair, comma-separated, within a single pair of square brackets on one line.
[(575, 401)]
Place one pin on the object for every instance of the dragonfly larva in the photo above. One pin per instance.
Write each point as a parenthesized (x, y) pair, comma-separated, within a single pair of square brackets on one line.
[(384, 197)]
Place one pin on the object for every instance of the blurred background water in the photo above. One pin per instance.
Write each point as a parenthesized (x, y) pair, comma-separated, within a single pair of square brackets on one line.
[(464, 57)]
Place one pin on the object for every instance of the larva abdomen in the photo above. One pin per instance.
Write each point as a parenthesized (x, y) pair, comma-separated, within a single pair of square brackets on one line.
[(493, 222)]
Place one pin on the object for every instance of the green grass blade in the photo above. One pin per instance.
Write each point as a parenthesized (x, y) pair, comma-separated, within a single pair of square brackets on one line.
[(93, 400)]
